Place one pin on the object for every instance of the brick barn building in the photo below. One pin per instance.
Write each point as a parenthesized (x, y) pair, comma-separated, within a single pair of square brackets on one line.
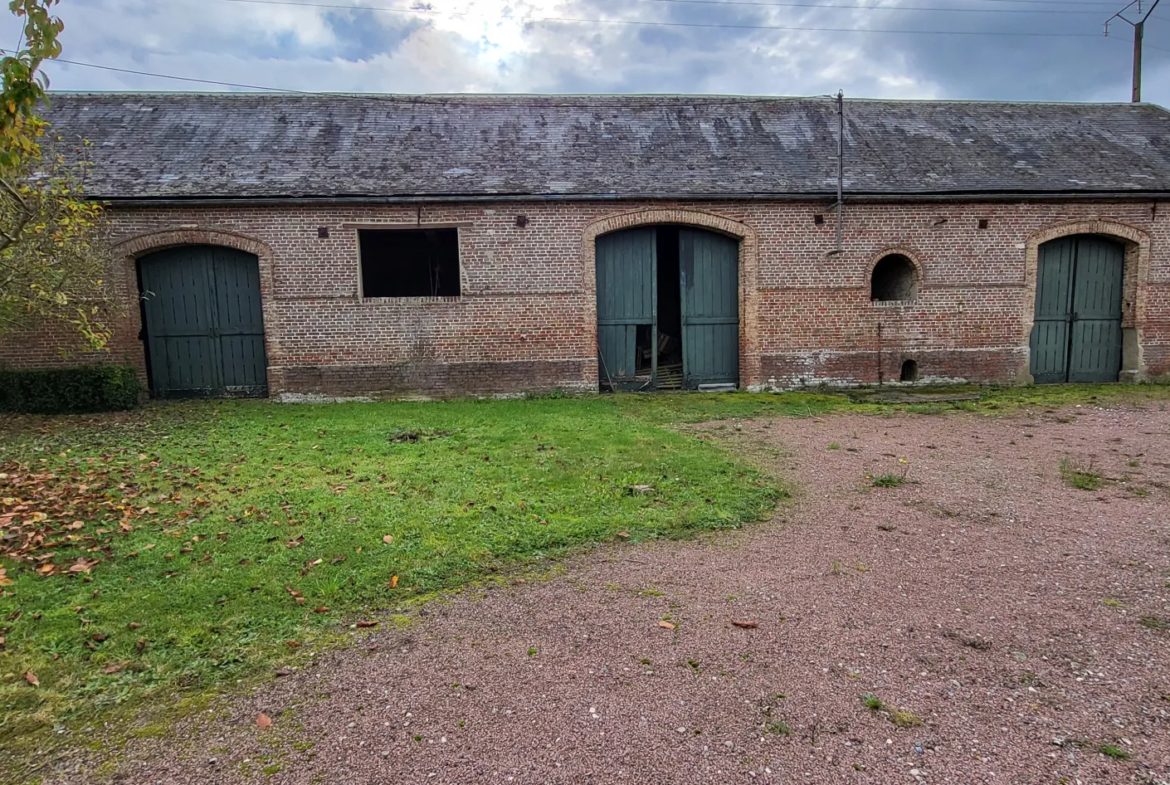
[(445, 245)]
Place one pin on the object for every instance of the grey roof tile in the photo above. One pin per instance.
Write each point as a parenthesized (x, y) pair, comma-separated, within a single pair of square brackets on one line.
[(250, 145)]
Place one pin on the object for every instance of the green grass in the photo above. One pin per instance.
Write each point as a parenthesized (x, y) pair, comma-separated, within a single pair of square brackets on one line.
[(254, 505), (1113, 751), (1081, 477), (889, 480)]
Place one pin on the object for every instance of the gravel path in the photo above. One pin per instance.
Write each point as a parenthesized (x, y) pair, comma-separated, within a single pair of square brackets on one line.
[(985, 597)]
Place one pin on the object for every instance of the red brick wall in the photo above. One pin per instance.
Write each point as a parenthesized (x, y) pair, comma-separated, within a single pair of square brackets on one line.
[(526, 316)]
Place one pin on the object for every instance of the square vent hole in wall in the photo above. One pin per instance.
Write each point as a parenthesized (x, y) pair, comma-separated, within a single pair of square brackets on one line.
[(409, 262)]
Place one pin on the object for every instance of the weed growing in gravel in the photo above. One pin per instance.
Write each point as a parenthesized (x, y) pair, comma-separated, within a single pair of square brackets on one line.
[(891, 479), (779, 728), (834, 446), (1084, 478), (1114, 752), (1135, 463), (1154, 623), (903, 718), (532, 651)]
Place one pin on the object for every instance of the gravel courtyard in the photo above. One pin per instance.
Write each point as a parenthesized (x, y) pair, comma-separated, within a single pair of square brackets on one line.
[(1006, 627)]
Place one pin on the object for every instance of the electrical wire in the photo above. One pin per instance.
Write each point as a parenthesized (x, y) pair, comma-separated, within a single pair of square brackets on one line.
[(753, 3)]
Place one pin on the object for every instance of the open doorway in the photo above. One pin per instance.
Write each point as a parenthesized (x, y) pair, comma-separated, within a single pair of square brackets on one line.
[(667, 309), (670, 356)]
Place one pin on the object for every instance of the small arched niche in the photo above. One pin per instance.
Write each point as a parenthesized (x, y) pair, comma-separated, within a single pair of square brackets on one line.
[(894, 279)]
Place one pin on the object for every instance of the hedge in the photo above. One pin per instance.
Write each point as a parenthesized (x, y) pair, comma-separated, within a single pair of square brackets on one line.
[(85, 388)]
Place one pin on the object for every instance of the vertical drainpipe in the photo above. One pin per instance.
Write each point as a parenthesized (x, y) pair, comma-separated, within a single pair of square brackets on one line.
[(840, 167)]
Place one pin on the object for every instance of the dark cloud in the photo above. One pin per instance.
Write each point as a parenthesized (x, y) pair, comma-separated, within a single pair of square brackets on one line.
[(491, 48)]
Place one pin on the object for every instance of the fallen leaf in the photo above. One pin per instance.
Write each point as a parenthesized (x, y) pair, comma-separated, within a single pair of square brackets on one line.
[(321, 609), (83, 565), (361, 624), (32, 679), (745, 623), (114, 668), (389, 538), (624, 535), (263, 721), (133, 625), (666, 625), (300, 600), (283, 672), (394, 582), (292, 644), (337, 560), (97, 636)]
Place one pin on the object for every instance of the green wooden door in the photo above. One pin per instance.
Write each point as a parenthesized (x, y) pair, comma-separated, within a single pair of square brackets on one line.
[(1076, 336), (1095, 353), (709, 278), (626, 296), (203, 324)]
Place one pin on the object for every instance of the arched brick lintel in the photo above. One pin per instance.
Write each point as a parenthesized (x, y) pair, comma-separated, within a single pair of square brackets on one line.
[(148, 242), (749, 269), (1136, 271)]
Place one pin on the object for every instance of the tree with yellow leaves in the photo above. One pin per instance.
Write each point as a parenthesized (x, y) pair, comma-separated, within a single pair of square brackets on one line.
[(53, 253)]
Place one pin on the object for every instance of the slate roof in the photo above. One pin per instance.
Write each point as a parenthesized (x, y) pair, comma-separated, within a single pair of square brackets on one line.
[(250, 145)]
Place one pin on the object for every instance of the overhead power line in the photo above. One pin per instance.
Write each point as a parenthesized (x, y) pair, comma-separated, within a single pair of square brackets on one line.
[(749, 3)]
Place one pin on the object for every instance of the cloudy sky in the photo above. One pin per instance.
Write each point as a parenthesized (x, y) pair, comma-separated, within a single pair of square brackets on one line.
[(777, 47)]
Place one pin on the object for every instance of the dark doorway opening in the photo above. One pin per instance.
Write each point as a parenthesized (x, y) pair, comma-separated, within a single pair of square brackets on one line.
[(670, 358), (909, 371)]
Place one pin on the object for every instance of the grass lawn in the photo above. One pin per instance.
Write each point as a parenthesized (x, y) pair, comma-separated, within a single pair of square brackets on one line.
[(184, 547)]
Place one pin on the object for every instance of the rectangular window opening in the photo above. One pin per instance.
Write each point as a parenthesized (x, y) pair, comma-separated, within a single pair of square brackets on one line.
[(409, 262)]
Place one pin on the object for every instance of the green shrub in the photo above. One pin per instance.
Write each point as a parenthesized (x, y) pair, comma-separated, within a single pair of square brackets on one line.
[(86, 388)]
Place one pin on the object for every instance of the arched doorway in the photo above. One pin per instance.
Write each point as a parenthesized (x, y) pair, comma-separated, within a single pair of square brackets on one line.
[(667, 309), (202, 322), (1076, 334)]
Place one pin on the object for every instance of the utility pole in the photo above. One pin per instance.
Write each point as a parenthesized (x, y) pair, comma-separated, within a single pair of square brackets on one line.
[(1139, 30)]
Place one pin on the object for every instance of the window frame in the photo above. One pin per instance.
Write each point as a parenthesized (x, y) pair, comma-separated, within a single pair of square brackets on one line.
[(358, 228)]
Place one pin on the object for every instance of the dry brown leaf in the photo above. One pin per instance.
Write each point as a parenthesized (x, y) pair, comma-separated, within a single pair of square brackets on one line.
[(321, 609), (394, 582), (263, 721), (32, 679), (389, 538), (747, 624), (367, 624), (666, 625), (292, 644), (114, 667), (300, 600), (133, 625), (624, 535)]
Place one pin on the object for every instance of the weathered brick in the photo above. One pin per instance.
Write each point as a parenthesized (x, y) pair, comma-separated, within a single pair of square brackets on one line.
[(526, 318)]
